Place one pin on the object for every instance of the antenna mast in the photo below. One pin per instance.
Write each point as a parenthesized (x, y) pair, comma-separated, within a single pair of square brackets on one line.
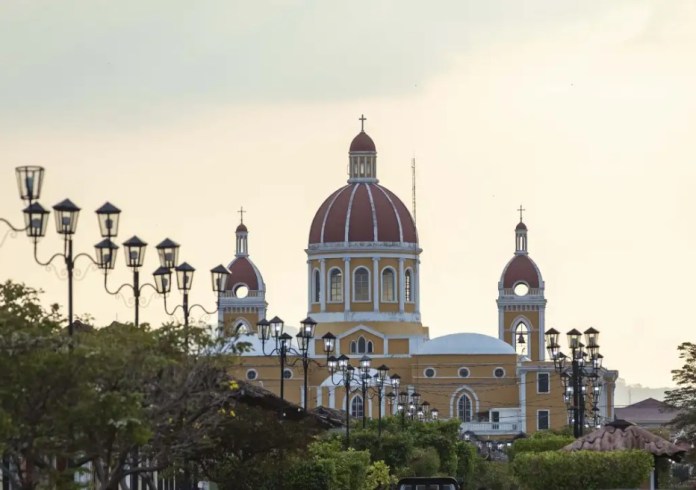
[(413, 186)]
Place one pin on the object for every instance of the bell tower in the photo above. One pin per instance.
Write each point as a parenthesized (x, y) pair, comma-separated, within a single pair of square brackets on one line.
[(243, 303), (521, 301)]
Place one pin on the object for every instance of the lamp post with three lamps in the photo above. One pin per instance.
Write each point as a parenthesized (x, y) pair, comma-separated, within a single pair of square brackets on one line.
[(359, 381), (275, 329), (581, 381)]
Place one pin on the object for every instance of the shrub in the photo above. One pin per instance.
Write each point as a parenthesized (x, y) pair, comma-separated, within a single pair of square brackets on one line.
[(424, 462), (539, 442), (582, 470), (466, 463), (310, 475), (493, 475)]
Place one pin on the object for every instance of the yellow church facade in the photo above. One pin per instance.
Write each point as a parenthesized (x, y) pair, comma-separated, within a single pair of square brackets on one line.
[(363, 287)]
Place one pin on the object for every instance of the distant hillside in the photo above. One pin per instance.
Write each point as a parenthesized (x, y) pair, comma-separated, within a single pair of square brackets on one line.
[(627, 394)]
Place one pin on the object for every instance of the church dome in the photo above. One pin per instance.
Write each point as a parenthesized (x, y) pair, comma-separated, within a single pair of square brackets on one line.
[(521, 269), (362, 142), (464, 343), (363, 212), (243, 272)]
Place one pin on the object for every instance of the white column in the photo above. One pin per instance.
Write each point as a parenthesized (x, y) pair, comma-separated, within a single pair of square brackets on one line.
[(310, 284), (346, 284), (540, 333), (322, 284), (332, 397), (320, 396), (375, 284), (416, 285), (402, 286)]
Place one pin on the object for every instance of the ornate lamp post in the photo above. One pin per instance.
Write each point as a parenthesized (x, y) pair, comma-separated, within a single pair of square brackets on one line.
[(29, 183), (581, 382), (283, 347), (411, 403), (168, 252), (374, 387)]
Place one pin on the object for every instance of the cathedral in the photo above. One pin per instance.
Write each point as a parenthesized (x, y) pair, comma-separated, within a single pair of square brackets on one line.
[(363, 292)]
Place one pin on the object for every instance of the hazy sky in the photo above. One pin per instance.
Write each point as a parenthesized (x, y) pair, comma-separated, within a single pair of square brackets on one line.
[(180, 112)]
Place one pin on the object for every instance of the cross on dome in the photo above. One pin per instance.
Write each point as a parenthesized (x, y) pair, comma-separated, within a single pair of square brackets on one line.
[(362, 120), (521, 210), (241, 214)]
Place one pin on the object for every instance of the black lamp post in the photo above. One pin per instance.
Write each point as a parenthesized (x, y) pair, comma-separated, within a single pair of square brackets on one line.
[(168, 252), (377, 390), (581, 382), (283, 348), (29, 183), (411, 403), (347, 380)]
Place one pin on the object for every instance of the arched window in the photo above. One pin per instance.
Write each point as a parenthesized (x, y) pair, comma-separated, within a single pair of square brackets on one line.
[(521, 339), (361, 345), (388, 285), (361, 284), (336, 285), (465, 409), (370, 347), (316, 296), (408, 286), (356, 406), (353, 347)]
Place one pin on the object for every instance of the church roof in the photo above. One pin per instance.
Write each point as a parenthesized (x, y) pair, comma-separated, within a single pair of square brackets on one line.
[(465, 343), (521, 269), (243, 271), (362, 142), (363, 212)]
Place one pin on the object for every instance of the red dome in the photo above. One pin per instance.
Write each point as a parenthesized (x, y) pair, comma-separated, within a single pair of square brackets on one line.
[(242, 228), (362, 142), (521, 269), (363, 212), (243, 271), (520, 226)]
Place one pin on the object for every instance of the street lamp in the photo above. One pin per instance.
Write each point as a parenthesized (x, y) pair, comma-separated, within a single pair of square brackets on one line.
[(283, 348), (29, 183), (581, 382), (410, 403), (168, 252)]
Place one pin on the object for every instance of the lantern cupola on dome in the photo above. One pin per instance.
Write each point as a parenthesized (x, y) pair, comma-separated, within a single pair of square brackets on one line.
[(362, 157)]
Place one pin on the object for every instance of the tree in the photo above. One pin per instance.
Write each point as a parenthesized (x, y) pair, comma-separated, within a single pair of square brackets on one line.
[(683, 398)]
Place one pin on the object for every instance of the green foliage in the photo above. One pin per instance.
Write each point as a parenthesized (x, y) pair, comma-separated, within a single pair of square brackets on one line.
[(424, 462), (539, 442), (466, 463), (582, 470), (310, 475), (683, 398), (492, 475), (394, 448), (378, 477), (351, 466)]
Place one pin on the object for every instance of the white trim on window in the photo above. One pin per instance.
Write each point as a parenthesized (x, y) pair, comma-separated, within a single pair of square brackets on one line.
[(288, 370), (548, 383), (330, 298), (255, 374), (430, 368), (468, 372), (409, 286), (368, 284), (316, 286), (395, 299), (548, 419), (496, 369)]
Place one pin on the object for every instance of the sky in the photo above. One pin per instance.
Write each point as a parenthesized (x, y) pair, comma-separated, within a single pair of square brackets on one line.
[(181, 112)]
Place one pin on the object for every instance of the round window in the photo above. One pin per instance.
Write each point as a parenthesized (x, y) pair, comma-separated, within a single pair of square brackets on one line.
[(251, 374), (521, 289), (499, 372), (241, 291), (464, 372), (287, 374), (429, 373)]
